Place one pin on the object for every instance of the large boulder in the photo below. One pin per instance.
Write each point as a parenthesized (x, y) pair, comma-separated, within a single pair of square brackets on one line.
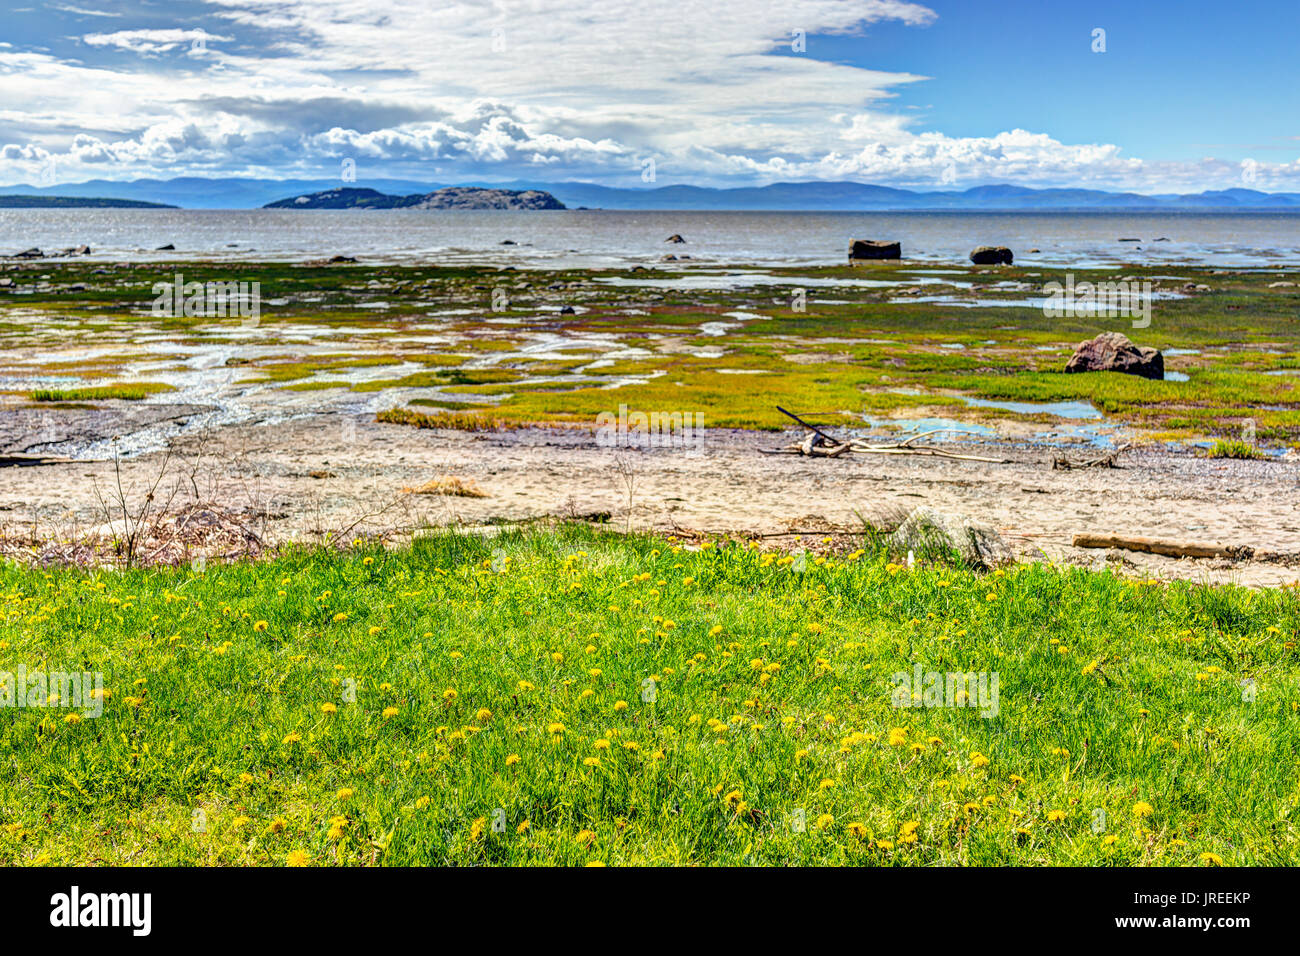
[(874, 249), (991, 256), (978, 544), (1113, 352)]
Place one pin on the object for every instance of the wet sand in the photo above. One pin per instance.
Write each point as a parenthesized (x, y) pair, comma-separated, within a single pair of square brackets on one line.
[(341, 473)]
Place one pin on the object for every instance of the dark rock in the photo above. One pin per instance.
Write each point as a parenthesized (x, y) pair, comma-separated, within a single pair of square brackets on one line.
[(1113, 352), (874, 249), (507, 242), (30, 254), (334, 259), (1128, 240), (674, 238), (567, 310), (991, 256), (167, 248)]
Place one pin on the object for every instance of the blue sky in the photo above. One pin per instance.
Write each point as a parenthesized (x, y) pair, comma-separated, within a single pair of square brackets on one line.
[(1187, 96)]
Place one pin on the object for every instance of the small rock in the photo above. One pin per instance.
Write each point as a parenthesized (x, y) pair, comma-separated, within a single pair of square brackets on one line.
[(978, 544), (991, 256), (1113, 352), (167, 248), (874, 249), (30, 254), (674, 238)]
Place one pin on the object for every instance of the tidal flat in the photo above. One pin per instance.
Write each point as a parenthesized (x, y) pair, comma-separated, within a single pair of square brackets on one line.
[(355, 380)]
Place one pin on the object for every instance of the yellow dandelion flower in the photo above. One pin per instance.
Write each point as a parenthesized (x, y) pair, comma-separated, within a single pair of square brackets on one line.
[(297, 858)]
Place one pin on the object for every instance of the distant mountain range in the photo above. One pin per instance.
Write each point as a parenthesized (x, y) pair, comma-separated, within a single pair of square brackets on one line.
[(202, 193), (456, 197)]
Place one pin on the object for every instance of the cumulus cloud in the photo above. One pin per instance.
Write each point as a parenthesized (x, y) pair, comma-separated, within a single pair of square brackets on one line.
[(501, 89)]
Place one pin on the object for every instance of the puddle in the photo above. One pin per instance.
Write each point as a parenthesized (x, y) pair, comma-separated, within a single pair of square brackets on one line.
[(949, 429), (722, 281), (1175, 376), (1078, 410)]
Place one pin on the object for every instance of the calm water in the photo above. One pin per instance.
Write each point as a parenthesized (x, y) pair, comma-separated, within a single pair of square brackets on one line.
[(611, 238)]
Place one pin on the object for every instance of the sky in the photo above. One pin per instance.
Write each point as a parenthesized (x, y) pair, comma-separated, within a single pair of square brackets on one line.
[(1152, 96)]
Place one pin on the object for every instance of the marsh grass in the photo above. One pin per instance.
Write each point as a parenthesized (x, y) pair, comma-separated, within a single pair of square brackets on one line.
[(447, 703), (1234, 448), (130, 391)]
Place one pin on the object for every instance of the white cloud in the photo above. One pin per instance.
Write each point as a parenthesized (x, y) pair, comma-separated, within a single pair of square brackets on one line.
[(524, 88), (153, 42)]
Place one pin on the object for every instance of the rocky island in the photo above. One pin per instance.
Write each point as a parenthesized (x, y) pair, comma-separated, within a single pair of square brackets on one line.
[(454, 197)]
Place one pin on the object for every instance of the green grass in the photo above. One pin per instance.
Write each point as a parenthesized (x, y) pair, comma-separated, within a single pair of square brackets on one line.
[(130, 391), (757, 692), (1233, 448)]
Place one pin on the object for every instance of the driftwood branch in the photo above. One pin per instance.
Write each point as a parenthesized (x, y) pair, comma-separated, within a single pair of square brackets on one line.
[(1172, 549), (1108, 460), (818, 444)]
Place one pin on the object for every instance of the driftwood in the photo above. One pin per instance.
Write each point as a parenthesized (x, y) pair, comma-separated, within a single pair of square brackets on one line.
[(818, 444), (23, 461), (1172, 549), (1108, 460)]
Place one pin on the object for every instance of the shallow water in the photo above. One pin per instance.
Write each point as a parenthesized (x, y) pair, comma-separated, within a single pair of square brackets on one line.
[(612, 239), (1079, 410)]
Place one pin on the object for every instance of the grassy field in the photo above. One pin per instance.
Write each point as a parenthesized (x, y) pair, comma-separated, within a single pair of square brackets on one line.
[(577, 697)]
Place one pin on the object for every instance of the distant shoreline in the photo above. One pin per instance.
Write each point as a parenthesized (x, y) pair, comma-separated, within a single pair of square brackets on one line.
[(77, 202)]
